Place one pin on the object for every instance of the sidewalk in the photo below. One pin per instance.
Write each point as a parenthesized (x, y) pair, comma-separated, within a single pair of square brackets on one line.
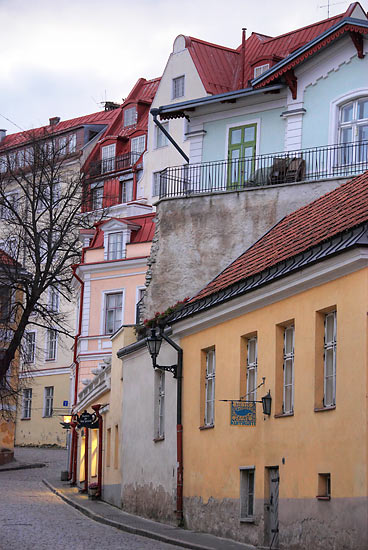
[(109, 515), (20, 465)]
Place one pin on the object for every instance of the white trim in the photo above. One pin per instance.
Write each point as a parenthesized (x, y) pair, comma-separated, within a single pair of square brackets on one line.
[(256, 121), (258, 108), (95, 267), (47, 331), (46, 372), (93, 355), (118, 276), (310, 277), (335, 105), (104, 293)]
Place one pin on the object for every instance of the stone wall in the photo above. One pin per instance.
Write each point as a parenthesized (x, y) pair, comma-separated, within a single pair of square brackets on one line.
[(197, 237)]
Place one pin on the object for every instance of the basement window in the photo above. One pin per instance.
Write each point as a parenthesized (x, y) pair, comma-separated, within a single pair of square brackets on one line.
[(324, 487)]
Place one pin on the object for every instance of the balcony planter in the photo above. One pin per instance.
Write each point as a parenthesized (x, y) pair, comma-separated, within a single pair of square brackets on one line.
[(92, 490)]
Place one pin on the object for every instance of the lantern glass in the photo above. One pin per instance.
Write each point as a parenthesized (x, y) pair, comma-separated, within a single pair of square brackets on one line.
[(266, 403), (154, 344)]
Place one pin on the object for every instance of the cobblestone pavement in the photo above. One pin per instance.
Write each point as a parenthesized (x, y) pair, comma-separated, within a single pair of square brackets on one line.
[(33, 518)]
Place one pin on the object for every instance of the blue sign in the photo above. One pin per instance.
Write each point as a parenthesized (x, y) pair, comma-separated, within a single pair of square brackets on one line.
[(65, 403), (243, 413)]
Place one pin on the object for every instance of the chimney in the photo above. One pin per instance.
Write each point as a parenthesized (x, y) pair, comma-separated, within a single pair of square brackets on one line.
[(54, 120), (2, 135), (243, 56)]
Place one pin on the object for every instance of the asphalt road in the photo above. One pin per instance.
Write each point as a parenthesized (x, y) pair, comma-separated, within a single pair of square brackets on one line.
[(33, 518)]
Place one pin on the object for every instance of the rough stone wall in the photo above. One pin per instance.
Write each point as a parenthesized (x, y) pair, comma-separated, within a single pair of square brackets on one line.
[(197, 237), (304, 524), (149, 501)]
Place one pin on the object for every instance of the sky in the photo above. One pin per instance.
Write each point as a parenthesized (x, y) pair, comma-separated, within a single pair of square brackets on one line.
[(64, 57)]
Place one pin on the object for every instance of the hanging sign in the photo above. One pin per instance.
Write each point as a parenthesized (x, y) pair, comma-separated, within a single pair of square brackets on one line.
[(243, 413), (87, 420)]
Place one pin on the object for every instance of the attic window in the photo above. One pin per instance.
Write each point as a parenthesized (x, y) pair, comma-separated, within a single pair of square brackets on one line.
[(261, 69), (130, 116), (178, 87)]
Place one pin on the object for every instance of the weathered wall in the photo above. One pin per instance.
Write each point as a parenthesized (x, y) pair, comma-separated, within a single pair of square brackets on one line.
[(197, 237)]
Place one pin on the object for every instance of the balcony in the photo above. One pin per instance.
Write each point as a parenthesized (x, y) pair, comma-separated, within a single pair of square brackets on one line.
[(113, 164), (303, 165)]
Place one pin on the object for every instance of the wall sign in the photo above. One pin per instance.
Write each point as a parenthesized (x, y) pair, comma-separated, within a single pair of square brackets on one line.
[(243, 413)]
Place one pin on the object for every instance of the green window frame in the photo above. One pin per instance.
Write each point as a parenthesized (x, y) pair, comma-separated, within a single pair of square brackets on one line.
[(241, 154)]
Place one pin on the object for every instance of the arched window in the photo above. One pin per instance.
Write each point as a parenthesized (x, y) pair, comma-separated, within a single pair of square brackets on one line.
[(353, 130)]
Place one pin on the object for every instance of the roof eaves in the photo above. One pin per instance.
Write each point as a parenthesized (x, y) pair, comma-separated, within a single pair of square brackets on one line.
[(308, 46), (357, 236)]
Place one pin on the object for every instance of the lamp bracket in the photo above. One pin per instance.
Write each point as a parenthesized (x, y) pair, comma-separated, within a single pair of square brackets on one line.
[(170, 368)]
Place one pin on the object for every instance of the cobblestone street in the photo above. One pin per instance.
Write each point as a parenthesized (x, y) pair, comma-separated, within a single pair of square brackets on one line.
[(33, 518)]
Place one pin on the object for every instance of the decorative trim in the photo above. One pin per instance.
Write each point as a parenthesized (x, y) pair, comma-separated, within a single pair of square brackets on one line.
[(293, 112)]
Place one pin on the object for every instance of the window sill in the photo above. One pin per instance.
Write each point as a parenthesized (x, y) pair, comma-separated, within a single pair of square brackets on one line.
[(322, 409), (321, 497), (207, 427), (26, 418), (157, 439), (282, 415), (247, 520), (50, 360)]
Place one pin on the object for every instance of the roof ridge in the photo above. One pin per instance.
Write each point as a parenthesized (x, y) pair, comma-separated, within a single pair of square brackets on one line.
[(341, 16), (233, 50)]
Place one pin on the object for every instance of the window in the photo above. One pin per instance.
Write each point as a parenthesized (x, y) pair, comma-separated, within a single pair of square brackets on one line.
[(138, 145), (209, 411), (261, 69), (116, 447), (72, 143), (5, 303), (9, 206), (247, 477), (324, 487), (353, 130), (156, 184), (160, 138), (97, 196), (53, 300), (160, 404), (29, 347), (115, 246), (108, 447), (51, 340), (178, 87), (26, 403), (108, 158), (288, 367), (113, 312), (329, 390), (126, 191), (138, 306), (241, 152), (130, 116), (3, 165), (252, 358), (48, 401)]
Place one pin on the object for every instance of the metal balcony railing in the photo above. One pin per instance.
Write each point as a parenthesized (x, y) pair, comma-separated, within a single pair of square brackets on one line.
[(113, 164), (343, 160)]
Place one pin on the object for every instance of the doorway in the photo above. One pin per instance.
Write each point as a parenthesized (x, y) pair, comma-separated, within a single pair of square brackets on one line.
[(271, 506)]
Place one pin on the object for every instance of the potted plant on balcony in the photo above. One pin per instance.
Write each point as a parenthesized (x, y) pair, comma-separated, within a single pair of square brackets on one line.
[(92, 490)]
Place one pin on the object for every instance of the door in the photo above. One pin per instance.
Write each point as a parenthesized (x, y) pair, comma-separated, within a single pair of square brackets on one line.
[(241, 153), (272, 509)]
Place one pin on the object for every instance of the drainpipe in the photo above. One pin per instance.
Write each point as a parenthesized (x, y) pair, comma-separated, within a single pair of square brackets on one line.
[(73, 450), (243, 57), (179, 431), (154, 113), (85, 490), (96, 408)]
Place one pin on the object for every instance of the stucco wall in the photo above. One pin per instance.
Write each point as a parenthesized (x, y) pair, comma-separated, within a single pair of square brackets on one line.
[(197, 237)]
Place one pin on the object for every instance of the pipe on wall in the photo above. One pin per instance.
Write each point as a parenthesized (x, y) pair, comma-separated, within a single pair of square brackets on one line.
[(96, 408), (86, 438)]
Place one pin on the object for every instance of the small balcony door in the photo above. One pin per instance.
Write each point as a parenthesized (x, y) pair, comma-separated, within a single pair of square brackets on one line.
[(241, 153)]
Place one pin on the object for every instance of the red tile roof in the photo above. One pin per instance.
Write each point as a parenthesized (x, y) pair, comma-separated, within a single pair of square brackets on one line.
[(333, 213), (21, 138), (5, 259), (143, 234)]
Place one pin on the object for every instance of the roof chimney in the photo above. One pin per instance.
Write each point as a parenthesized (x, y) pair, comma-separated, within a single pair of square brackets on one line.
[(2, 135), (54, 120), (243, 57)]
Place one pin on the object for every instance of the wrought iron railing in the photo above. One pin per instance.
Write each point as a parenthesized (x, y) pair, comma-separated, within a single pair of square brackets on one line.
[(113, 164), (343, 160)]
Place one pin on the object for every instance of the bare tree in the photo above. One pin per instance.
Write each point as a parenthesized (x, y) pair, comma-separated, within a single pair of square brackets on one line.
[(40, 210)]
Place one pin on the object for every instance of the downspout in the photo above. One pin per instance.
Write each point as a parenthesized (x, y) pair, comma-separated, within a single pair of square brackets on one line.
[(96, 408), (243, 58), (86, 437), (155, 113), (179, 431), (73, 451)]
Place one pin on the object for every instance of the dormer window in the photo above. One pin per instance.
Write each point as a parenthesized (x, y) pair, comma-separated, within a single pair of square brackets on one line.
[(178, 87), (115, 246), (261, 69), (130, 116), (108, 158)]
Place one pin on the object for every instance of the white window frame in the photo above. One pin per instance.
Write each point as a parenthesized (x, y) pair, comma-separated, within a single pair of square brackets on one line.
[(126, 190), (53, 300), (130, 116), (72, 143), (160, 404), (160, 138), (116, 250), (258, 71), (108, 156), (178, 87), (329, 346), (97, 193), (26, 403), (252, 367), (247, 492), (139, 293), (51, 342), (138, 145), (210, 382), (288, 363), (29, 347), (106, 294), (48, 401)]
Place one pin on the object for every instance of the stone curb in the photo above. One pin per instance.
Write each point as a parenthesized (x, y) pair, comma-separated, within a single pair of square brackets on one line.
[(124, 527), (23, 466)]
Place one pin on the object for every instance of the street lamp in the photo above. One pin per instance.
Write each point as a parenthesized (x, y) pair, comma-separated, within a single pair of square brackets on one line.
[(154, 345), (266, 403)]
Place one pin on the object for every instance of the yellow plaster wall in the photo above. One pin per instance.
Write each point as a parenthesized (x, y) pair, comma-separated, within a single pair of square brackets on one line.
[(333, 441)]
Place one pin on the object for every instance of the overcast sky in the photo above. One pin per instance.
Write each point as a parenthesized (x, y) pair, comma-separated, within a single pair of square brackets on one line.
[(63, 57)]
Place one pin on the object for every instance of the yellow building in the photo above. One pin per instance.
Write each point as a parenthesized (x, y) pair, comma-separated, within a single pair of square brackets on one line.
[(286, 320)]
